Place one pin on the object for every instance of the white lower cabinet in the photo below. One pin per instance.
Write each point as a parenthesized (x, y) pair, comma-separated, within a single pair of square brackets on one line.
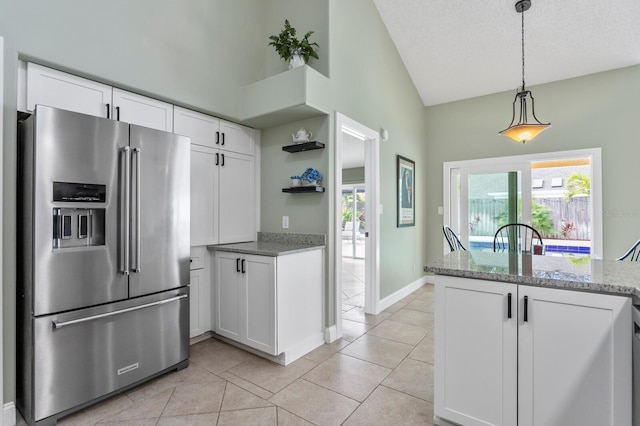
[(199, 293), (272, 304), (508, 354)]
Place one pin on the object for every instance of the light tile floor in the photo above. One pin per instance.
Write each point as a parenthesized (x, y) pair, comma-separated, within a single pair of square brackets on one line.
[(352, 283), (379, 373)]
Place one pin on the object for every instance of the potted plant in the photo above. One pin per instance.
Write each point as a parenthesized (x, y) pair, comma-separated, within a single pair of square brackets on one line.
[(297, 52)]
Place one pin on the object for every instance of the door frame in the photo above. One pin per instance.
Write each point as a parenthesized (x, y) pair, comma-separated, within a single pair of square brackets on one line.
[(371, 139), (524, 183), (1, 229), (595, 154)]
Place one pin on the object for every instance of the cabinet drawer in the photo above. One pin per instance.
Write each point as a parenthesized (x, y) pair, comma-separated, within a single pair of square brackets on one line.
[(126, 341), (199, 257)]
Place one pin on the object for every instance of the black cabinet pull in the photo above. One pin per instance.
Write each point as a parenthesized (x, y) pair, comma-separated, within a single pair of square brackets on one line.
[(243, 270), (222, 159), (108, 111), (222, 138), (118, 113), (238, 265), (526, 309), (217, 138), (509, 305), (217, 158)]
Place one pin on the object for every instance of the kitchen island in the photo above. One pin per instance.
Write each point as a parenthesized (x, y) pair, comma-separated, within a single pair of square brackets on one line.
[(533, 340), (268, 294)]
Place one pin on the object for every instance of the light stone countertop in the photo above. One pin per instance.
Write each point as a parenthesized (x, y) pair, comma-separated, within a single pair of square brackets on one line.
[(275, 244), (568, 272)]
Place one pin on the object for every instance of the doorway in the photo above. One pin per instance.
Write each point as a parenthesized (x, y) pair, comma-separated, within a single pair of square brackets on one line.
[(356, 218)]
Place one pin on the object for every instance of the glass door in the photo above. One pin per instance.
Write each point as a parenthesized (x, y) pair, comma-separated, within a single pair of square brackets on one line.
[(487, 198), (353, 221)]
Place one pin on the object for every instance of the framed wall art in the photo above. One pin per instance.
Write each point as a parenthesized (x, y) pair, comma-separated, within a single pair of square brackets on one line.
[(406, 178)]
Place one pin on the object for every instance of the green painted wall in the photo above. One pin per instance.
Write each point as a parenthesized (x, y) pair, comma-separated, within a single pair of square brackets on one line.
[(371, 85), (585, 112), (196, 56), (355, 175)]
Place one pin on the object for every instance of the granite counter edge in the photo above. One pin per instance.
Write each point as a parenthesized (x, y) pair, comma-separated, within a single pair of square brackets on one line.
[(619, 290), (263, 252)]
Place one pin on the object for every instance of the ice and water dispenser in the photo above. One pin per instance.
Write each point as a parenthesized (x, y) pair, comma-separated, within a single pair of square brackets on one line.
[(78, 226)]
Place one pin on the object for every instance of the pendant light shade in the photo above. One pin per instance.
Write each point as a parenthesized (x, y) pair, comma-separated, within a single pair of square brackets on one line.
[(524, 130)]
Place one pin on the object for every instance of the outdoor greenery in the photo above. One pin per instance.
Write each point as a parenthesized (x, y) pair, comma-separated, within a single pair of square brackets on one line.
[(577, 184), (347, 208), (541, 218), (286, 44)]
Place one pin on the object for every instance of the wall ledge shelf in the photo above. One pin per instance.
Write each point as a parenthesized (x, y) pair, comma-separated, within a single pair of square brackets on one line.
[(305, 146), (292, 95), (300, 189)]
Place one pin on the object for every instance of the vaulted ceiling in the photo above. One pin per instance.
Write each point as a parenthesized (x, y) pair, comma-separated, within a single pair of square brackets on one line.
[(459, 49)]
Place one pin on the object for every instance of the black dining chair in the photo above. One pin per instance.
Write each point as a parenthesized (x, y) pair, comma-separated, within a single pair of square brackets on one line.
[(632, 254), (452, 239), (517, 238)]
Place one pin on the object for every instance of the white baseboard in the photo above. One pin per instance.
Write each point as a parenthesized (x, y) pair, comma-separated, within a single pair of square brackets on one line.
[(9, 415), (330, 334), (404, 292)]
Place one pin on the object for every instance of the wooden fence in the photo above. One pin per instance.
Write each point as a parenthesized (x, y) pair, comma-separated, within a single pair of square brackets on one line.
[(483, 214)]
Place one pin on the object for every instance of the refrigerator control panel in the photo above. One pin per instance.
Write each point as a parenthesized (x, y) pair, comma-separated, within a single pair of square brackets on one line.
[(79, 192), (77, 227)]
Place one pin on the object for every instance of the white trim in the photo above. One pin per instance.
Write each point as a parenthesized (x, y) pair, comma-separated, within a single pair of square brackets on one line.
[(9, 414), (405, 291), (595, 154), (372, 189), (2, 108), (330, 334)]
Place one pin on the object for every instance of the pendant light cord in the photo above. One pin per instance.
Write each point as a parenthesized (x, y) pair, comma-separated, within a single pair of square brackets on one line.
[(522, 16)]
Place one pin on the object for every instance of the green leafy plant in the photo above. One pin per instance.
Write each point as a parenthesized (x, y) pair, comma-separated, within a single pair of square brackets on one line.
[(541, 218), (577, 184), (286, 44)]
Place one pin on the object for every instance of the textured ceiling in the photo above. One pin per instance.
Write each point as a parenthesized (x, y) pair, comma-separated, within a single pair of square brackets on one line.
[(459, 49)]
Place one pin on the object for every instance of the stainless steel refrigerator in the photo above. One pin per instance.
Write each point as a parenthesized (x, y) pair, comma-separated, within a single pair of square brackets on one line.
[(103, 259)]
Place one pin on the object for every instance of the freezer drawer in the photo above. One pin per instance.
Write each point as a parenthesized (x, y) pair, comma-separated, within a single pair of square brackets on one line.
[(82, 355)]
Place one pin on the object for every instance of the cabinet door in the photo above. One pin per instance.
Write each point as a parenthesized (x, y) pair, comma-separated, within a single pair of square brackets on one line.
[(259, 303), (195, 286), (202, 129), (236, 198), (57, 89), (236, 138), (574, 358), (204, 202), (141, 110), (228, 294), (475, 352)]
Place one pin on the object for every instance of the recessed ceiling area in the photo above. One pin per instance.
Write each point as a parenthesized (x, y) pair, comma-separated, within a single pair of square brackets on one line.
[(459, 49)]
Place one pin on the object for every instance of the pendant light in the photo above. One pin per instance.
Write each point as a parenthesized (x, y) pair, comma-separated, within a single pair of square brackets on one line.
[(524, 131)]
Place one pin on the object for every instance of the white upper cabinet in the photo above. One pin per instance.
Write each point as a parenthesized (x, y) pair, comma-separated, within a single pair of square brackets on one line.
[(236, 198), (204, 203), (236, 138), (201, 128), (141, 110), (46, 86), (223, 179)]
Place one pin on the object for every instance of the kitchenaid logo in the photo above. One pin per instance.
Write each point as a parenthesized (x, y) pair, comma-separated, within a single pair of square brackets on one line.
[(128, 368)]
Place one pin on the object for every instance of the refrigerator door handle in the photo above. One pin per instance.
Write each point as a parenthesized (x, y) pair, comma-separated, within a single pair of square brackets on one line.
[(136, 267), (125, 199), (60, 324)]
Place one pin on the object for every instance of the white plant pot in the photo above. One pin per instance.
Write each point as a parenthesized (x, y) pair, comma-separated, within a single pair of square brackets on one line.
[(296, 61)]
